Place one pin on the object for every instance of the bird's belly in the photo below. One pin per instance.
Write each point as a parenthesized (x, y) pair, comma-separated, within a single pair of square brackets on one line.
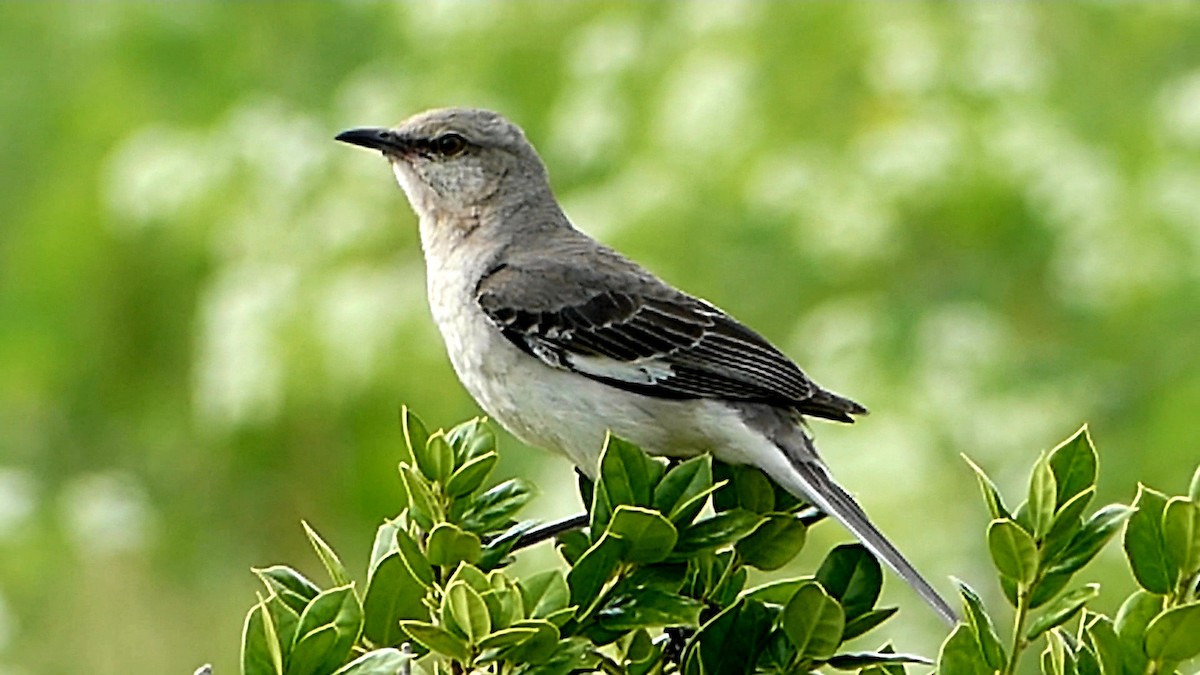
[(557, 409)]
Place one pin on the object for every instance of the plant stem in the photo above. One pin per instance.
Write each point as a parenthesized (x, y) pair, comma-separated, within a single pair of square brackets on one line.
[(1018, 639)]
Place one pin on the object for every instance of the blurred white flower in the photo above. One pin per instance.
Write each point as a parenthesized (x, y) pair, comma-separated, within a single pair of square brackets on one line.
[(360, 311), (284, 148), (240, 367), (904, 57), (157, 174), (1178, 109), (588, 123), (443, 19), (845, 220), (699, 17), (18, 498), (605, 47), (106, 513), (911, 156), (1002, 56), (705, 109), (841, 336), (636, 193), (1173, 194), (8, 628), (779, 181)]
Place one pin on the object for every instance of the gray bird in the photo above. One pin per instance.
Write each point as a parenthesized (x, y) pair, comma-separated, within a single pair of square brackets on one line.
[(561, 339)]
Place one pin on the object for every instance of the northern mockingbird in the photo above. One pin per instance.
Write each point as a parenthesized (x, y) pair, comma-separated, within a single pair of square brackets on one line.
[(561, 339)]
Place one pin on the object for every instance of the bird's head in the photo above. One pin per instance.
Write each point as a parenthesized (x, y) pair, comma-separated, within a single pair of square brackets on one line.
[(452, 160)]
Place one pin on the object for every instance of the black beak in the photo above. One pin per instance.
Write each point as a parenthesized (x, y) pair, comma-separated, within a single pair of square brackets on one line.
[(383, 140)]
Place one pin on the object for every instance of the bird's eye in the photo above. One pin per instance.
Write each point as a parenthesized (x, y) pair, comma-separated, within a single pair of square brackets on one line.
[(450, 144)]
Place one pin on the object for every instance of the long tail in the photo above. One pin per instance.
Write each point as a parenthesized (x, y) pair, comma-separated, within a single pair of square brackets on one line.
[(810, 480)]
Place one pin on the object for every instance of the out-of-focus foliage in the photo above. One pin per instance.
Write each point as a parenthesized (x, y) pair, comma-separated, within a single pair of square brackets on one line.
[(982, 220)]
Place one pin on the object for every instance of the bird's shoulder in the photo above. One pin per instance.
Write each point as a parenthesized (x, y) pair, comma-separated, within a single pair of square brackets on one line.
[(570, 273)]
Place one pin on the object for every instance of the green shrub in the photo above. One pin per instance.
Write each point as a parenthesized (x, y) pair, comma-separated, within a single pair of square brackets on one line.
[(655, 582)]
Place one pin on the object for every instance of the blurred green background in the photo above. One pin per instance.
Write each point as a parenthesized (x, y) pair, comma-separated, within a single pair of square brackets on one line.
[(981, 220)]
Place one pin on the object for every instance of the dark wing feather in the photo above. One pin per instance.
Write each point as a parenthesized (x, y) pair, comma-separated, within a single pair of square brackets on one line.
[(652, 340)]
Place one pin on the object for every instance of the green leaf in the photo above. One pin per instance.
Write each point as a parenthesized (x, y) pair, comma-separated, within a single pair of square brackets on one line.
[(285, 621), (852, 660), (436, 459), (450, 545), (468, 610), (852, 576), (626, 476), (675, 494), (472, 576), (866, 621), (1181, 535), (292, 587), (1042, 495), (1074, 465), (1144, 545), (536, 649), (1067, 523), (667, 577), (641, 654), (468, 477), (960, 654), (494, 508), (385, 543), (1056, 658), (1113, 657), (1050, 585), (544, 593), (982, 628), (1094, 534), (471, 439), (1061, 610), (437, 639), (260, 645), (1194, 488), (813, 621), (1174, 635), (507, 637), (1135, 614), (387, 661), (991, 495), (730, 642), (650, 608), (1086, 661), (393, 593), (1013, 551), (776, 592), (418, 565), (415, 433), (504, 603), (571, 655), (328, 629), (773, 544), (747, 487), (720, 530), (421, 504), (648, 536), (496, 550), (593, 570), (573, 544), (333, 565)]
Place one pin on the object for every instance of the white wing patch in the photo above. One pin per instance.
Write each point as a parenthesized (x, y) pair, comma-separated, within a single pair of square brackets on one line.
[(640, 371)]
